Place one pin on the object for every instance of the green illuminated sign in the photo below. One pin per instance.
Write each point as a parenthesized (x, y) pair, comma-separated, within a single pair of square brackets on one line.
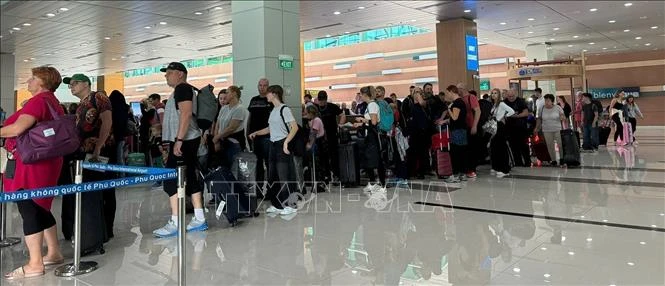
[(285, 62)]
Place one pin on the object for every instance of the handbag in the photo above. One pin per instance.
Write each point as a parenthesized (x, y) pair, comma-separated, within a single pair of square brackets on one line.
[(49, 139), (490, 126)]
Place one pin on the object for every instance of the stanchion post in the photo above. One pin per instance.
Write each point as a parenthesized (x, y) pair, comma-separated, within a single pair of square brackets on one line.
[(4, 240), (182, 184), (78, 267)]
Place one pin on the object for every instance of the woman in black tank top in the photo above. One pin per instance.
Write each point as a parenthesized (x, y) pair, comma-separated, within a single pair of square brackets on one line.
[(617, 112)]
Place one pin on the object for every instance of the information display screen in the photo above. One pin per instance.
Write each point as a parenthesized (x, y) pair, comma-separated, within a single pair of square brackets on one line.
[(472, 53)]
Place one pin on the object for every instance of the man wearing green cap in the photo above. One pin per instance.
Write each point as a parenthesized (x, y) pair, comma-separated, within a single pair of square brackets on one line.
[(94, 120)]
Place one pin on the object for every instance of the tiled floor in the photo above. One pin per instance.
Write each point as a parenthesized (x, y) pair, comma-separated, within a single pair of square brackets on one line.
[(603, 224)]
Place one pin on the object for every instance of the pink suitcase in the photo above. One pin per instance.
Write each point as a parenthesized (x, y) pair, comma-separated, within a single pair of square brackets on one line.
[(627, 133)]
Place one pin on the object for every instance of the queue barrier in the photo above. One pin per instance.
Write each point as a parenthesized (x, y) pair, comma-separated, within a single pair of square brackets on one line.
[(145, 175)]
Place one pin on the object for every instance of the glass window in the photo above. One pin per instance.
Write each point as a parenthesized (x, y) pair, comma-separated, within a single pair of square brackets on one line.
[(214, 61)]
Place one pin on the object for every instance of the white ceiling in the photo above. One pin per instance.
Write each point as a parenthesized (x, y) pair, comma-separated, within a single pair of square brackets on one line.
[(74, 40)]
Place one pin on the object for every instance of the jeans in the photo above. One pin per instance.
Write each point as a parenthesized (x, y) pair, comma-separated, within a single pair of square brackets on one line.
[(595, 137), (587, 144), (229, 152), (262, 148), (281, 177)]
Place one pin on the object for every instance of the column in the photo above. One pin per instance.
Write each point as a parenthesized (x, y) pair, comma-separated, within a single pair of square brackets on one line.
[(7, 83), (110, 82), (266, 33), (457, 53), (540, 52)]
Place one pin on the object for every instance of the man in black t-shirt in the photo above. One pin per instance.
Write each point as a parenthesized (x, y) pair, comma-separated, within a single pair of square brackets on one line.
[(259, 111), (518, 134), (329, 112)]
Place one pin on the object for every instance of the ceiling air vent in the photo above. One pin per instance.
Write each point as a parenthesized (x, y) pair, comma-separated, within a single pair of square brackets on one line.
[(150, 59), (215, 47), (153, 39), (87, 55)]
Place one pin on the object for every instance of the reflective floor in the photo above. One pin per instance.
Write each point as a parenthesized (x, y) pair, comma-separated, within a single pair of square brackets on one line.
[(602, 224)]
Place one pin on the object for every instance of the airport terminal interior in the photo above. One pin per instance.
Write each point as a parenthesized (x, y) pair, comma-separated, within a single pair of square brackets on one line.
[(515, 142)]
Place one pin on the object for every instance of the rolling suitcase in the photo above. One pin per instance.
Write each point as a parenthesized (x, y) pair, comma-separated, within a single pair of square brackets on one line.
[(571, 148), (540, 148), (93, 224), (244, 170), (444, 165), (627, 133), (238, 203), (349, 168)]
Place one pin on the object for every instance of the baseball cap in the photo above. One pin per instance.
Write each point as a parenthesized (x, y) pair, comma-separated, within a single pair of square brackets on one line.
[(76, 77), (175, 66)]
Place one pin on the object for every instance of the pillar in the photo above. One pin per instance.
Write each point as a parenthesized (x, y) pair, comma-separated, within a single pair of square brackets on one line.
[(540, 52), (110, 82), (262, 32), (457, 53), (7, 83)]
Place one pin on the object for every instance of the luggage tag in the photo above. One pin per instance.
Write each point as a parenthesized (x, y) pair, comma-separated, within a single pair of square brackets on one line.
[(220, 209)]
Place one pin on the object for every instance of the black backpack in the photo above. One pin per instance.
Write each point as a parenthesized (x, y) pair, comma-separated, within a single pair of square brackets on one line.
[(298, 143)]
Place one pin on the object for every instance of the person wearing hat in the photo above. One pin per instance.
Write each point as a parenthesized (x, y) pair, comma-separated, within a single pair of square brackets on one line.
[(181, 136), (95, 122)]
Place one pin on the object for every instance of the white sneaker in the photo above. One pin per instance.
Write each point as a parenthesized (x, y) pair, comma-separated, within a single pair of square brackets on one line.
[(197, 225), (273, 210), (288, 211), (501, 174), (169, 230)]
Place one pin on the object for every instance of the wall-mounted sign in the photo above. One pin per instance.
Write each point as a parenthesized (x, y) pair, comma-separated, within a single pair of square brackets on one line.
[(607, 93), (285, 62), (485, 84), (472, 53), (529, 71)]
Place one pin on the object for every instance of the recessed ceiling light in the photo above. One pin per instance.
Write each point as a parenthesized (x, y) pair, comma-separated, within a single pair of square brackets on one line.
[(63, 9), (413, 20), (653, 27), (546, 275), (347, 32), (198, 13), (163, 23), (25, 61), (611, 21), (589, 239), (585, 51), (570, 46), (516, 270), (647, 44), (555, 29), (531, 19), (50, 15), (27, 24), (552, 39), (147, 27), (628, 4), (328, 36), (631, 264), (626, 30), (16, 29), (502, 23), (530, 32), (576, 36), (218, 8), (592, 43), (638, 38), (122, 57), (571, 253), (337, 12), (604, 48), (593, 9), (467, 11), (361, 7), (107, 38), (642, 243)]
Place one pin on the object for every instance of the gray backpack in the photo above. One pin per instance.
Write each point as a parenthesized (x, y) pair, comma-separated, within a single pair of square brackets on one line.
[(206, 107)]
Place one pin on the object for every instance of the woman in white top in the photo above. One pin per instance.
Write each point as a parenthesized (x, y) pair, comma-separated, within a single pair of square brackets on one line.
[(372, 153), (633, 111), (500, 153), (282, 128), (550, 120), (229, 135)]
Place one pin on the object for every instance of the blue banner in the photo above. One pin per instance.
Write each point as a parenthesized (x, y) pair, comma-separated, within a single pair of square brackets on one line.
[(472, 53), (608, 93), (149, 175)]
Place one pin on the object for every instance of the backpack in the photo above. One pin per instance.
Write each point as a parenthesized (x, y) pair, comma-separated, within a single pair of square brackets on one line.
[(206, 107), (298, 143), (386, 116)]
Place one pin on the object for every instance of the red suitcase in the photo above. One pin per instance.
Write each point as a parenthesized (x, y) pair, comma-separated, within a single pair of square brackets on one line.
[(540, 148), (444, 166)]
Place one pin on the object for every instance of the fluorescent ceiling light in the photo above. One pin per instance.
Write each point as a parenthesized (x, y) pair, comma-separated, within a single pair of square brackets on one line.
[(198, 13), (628, 4), (63, 9), (50, 15), (555, 29), (373, 56), (328, 36), (16, 29), (311, 79), (347, 32), (585, 51), (337, 12), (647, 44), (654, 27), (467, 11), (626, 30), (592, 43), (502, 23), (162, 23), (426, 57), (593, 9), (391, 71), (361, 7), (218, 8), (341, 66), (552, 39), (576, 36), (26, 60), (107, 38), (530, 32), (570, 46), (27, 24), (611, 21), (604, 48), (638, 38), (221, 79), (531, 19), (343, 86)]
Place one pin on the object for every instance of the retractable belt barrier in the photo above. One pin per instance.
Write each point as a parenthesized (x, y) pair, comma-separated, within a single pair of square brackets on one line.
[(145, 175)]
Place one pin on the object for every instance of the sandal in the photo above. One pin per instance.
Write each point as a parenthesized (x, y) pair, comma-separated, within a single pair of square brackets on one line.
[(19, 273)]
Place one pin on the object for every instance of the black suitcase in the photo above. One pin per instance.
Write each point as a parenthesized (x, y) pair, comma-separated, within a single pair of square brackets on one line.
[(603, 135), (93, 224), (239, 203), (349, 168), (571, 148)]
